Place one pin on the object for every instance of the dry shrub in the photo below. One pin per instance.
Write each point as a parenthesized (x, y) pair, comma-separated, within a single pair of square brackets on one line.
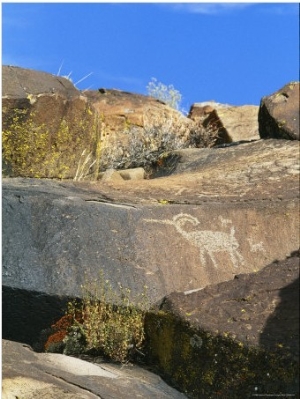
[(104, 322)]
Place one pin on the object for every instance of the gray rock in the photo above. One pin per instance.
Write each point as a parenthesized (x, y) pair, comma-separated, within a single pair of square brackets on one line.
[(30, 375), (69, 228)]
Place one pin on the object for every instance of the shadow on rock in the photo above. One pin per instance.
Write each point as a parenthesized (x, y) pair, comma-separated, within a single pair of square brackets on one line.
[(282, 328), (26, 313)]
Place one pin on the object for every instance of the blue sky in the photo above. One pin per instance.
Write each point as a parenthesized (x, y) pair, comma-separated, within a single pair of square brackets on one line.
[(230, 53)]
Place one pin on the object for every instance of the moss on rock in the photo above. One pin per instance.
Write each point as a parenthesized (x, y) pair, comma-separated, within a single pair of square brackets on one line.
[(62, 143), (205, 365)]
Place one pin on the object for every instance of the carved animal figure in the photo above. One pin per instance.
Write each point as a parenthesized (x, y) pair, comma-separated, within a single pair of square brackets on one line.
[(209, 242)]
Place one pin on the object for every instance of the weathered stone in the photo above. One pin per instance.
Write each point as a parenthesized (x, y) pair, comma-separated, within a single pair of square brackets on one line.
[(233, 123), (121, 111), (30, 375), (211, 188), (49, 129), (134, 126), (18, 83), (233, 339), (111, 175), (279, 113), (133, 174), (120, 175)]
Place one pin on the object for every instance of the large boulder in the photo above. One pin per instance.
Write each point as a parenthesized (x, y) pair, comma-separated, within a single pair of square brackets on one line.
[(30, 375), (235, 339), (49, 129), (279, 113), (232, 123)]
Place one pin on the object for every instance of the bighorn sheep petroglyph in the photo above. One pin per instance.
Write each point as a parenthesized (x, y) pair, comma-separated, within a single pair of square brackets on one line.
[(209, 242)]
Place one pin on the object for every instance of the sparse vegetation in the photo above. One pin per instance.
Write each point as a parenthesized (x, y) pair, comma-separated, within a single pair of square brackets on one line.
[(167, 94), (143, 149), (147, 146), (70, 79), (104, 322)]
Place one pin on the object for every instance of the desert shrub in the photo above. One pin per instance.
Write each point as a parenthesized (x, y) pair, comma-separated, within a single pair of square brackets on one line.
[(167, 94), (203, 137), (145, 145), (109, 324), (148, 145)]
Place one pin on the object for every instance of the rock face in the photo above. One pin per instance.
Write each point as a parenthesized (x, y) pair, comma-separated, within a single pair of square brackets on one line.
[(135, 127), (212, 219), (49, 129), (233, 339), (52, 130), (30, 375), (233, 123), (279, 113)]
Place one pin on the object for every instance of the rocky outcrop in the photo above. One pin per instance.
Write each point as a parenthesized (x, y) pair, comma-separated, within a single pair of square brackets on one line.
[(52, 130), (234, 339), (232, 123), (279, 113), (137, 128), (222, 212), (205, 216), (30, 375)]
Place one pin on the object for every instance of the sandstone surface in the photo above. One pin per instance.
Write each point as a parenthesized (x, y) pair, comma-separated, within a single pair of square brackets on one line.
[(233, 123), (279, 113), (135, 126), (234, 339), (30, 375)]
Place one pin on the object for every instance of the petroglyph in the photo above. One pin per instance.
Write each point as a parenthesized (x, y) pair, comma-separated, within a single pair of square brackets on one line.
[(256, 247), (209, 242)]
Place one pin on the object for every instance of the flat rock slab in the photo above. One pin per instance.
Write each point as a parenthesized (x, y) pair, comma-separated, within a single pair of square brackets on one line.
[(30, 375), (222, 212), (265, 170)]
